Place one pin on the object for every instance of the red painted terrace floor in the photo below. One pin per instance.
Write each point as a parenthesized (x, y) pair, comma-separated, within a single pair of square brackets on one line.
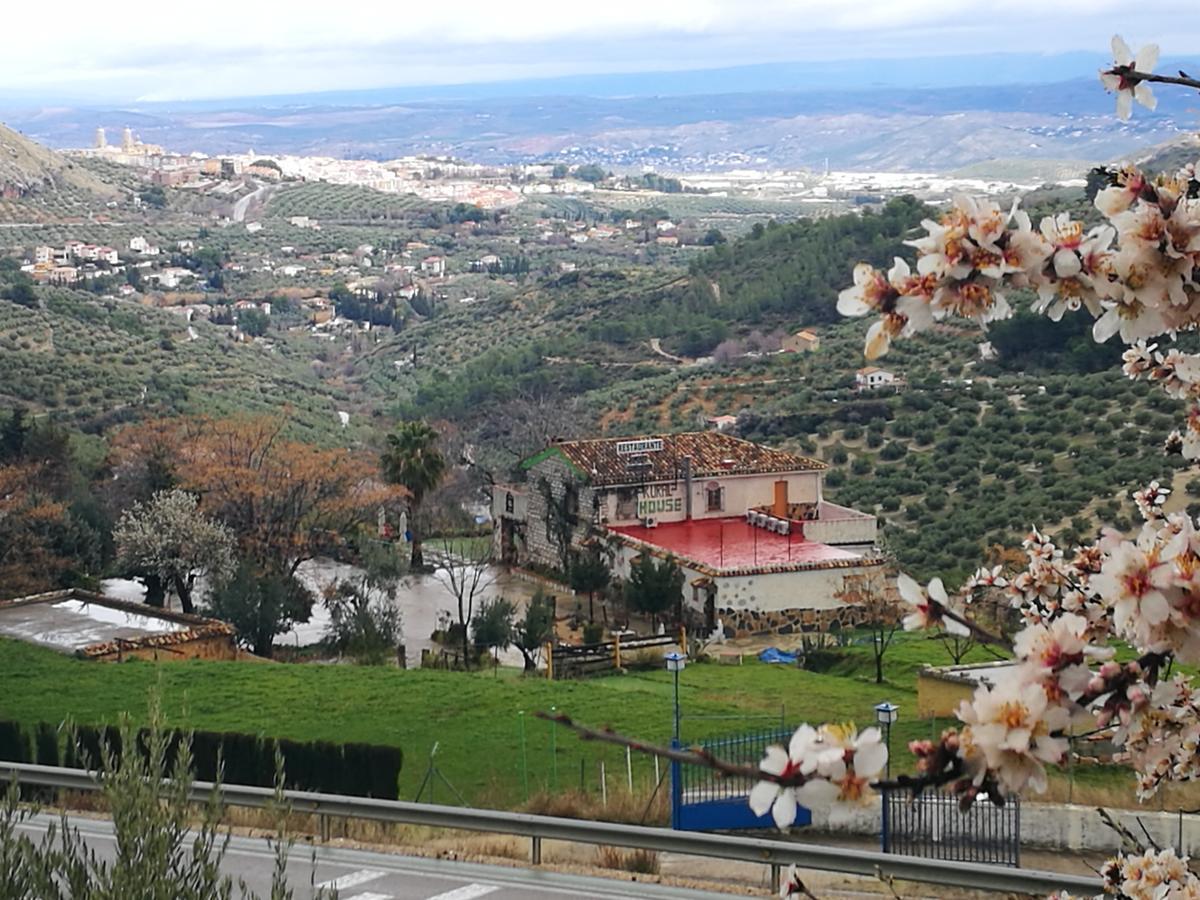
[(731, 543)]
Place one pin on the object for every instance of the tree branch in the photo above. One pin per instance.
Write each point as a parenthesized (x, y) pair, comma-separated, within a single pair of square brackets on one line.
[(1133, 77)]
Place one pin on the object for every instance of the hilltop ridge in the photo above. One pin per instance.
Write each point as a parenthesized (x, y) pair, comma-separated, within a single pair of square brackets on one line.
[(28, 168)]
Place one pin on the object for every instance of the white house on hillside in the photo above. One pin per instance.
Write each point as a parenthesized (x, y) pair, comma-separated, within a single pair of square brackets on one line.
[(872, 378)]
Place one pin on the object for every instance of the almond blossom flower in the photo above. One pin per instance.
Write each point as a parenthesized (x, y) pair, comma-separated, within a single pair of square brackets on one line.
[(796, 760), (1130, 582), (847, 762), (1072, 282), (1012, 729), (1056, 653), (791, 886), (1122, 77), (1119, 197), (928, 606), (1152, 875), (1150, 499), (871, 292)]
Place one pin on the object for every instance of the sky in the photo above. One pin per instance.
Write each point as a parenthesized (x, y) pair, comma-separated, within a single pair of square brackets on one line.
[(224, 48)]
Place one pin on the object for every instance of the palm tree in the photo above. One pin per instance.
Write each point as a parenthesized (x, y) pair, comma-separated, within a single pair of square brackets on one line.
[(413, 461)]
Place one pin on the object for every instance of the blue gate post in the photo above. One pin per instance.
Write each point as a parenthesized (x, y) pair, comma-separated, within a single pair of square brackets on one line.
[(676, 787)]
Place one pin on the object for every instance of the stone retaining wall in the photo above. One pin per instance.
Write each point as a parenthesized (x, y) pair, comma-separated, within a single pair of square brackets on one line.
[(748, 622)]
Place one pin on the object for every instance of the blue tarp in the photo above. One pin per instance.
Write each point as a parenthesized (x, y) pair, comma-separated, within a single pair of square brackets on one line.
[(775, 655)]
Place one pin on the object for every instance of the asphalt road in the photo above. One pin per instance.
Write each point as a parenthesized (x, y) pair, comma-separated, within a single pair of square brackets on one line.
[(362, 875), (239, 208)]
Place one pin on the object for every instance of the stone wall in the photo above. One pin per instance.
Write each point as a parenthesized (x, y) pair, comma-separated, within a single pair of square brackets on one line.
[(559, 476), (219, 647), (746, 622)]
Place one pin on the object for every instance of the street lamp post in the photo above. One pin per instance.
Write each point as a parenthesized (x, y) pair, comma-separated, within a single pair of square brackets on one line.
[(676, 663), (885, 714)]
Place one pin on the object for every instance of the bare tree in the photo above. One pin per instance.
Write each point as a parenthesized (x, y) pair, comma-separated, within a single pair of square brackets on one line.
[(521, 427), (465, 571), (882, 611)]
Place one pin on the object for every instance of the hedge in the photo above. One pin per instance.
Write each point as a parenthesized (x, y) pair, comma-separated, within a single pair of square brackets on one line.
[(361, 770)]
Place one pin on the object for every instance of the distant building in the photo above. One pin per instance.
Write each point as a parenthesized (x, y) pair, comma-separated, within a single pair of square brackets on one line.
[(92, 626), (801, 342), (722, 423), (434, 266), (872, 378), (761, 549)]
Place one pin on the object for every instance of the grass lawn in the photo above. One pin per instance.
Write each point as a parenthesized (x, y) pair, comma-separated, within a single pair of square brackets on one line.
[(475, 718)]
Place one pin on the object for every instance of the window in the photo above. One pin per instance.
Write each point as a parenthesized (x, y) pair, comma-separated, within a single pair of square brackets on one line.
[(509, 503), (715, 495), (626, 503)]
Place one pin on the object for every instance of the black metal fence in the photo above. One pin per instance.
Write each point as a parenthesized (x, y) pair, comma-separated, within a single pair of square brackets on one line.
[(702, 783), (932, 826)]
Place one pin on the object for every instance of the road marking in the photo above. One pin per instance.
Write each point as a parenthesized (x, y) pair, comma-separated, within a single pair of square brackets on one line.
[(371, 897), (467, 892), (354, 879)]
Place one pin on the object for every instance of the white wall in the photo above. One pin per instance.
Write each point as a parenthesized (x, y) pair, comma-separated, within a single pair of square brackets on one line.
[(742, 492), (1058, 826), (769, 592)]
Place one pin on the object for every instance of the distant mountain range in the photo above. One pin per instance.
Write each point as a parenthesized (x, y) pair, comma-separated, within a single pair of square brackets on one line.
[(880, 114)]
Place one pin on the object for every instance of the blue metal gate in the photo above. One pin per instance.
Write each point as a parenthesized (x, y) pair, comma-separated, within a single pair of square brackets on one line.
[(702, 800)]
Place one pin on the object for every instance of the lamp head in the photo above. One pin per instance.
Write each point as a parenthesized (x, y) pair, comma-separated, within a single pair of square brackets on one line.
[(886, 713)]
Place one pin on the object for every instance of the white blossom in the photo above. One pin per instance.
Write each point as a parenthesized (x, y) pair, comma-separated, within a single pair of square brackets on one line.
[(1129, 89)]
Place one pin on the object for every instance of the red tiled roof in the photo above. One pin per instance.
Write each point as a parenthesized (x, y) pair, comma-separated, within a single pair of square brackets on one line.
[(609, 461)]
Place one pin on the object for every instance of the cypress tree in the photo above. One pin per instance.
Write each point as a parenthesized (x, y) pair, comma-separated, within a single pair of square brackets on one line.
[(46, 747), (14, 743)]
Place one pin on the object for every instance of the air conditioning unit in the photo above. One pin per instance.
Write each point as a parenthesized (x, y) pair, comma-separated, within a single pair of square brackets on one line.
[(785, 527), (773, 524), (649, 522), (750, 514), (760, 519)]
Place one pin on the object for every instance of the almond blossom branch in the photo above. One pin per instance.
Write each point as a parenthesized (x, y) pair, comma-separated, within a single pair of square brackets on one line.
[(696, 756), (1133, 76), (977, 631)]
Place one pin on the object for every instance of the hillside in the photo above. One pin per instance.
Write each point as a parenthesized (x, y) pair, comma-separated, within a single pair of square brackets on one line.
[(91, 362), (1170, 156), (28, 169)]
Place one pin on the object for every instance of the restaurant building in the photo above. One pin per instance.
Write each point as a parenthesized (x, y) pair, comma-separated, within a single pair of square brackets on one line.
[(761, 548)]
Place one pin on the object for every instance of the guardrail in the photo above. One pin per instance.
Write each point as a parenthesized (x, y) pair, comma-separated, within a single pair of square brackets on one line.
[(774, 853)]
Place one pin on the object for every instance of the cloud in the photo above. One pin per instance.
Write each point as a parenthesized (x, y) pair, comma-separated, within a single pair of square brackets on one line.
[(226, 48)]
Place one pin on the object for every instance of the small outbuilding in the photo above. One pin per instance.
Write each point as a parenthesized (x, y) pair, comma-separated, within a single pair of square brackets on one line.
[(92, 626)]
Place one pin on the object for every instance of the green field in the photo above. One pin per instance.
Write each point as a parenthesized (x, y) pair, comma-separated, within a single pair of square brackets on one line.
[(475, 717)]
